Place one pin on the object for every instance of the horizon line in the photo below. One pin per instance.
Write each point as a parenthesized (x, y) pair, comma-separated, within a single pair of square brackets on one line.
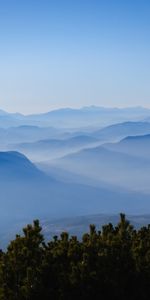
[(77, 108)]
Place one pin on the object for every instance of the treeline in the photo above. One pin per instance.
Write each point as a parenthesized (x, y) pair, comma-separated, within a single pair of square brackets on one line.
[(113, 263)]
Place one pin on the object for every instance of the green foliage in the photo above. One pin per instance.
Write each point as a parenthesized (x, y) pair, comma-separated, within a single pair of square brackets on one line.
[(113, 263)]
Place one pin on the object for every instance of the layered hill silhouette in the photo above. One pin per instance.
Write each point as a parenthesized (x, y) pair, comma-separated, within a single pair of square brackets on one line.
[(79, 176), (122, 130), (68, 117), (113, 167), (26, 193), (52, 148), (133, 145), (27, 133)]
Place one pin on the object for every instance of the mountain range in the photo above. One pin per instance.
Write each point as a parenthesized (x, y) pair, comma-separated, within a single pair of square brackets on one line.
[(113, 167), (67, 117), (27, 192), (119, 131), (54, 148), (137, 146), (73, 162)]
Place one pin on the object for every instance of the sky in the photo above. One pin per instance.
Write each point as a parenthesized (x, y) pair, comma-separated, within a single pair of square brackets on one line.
[(73, 53)]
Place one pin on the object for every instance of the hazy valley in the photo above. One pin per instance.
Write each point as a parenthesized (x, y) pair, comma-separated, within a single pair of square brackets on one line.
[(61, 164)]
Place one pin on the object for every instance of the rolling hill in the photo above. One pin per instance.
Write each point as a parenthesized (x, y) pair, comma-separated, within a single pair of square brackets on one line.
[(28, 193), (53, 148), (110, 166), (119, 131), (14, 166), (137, 146)]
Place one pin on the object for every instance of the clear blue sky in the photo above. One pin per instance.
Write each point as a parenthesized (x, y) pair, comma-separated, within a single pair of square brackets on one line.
[(58, 53)]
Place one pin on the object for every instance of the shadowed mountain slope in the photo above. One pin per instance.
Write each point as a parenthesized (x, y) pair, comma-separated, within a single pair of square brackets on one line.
[(15, 166), (28, 193)]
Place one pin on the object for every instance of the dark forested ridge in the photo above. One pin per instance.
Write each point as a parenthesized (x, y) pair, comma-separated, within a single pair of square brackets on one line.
[(113, 263)]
